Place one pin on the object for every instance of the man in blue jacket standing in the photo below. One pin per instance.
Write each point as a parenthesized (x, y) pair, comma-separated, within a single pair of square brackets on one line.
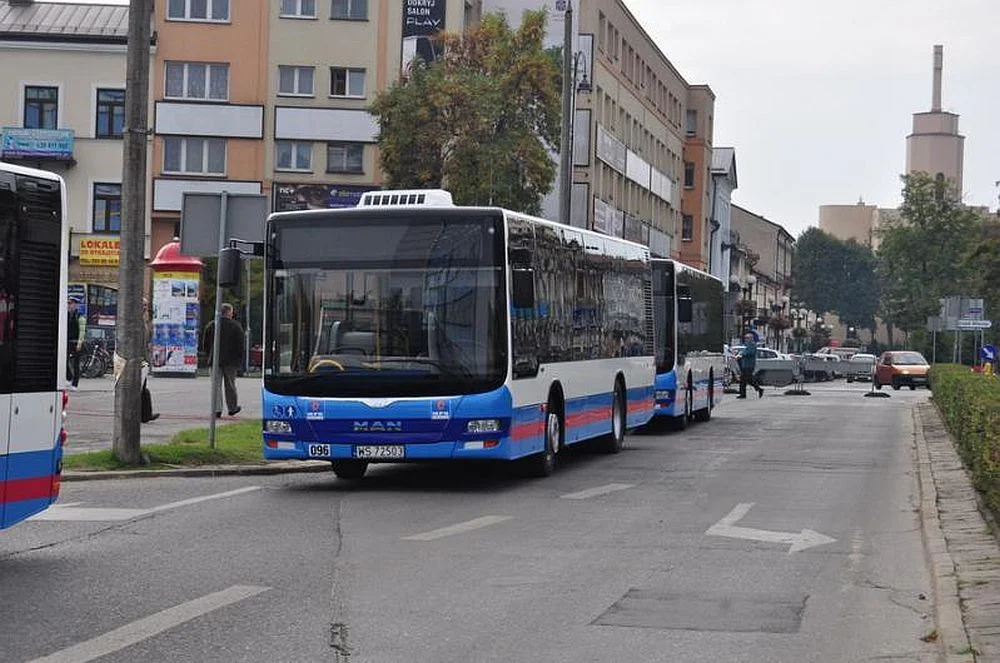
[(748, 364)]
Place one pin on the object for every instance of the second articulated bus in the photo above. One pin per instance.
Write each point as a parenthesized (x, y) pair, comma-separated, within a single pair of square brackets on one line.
[(408, 328), (690, 361)]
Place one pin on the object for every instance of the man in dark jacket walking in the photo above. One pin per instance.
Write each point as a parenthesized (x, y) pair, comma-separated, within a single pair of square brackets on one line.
[(231, 350)]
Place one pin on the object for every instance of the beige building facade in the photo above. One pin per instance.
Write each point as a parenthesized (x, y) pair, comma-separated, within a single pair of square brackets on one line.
[(62, 96)]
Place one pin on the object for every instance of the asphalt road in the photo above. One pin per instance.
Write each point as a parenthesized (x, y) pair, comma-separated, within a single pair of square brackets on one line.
[(678, 549)]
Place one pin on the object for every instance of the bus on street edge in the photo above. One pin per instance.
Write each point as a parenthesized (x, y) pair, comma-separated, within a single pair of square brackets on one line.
[(408, 328)]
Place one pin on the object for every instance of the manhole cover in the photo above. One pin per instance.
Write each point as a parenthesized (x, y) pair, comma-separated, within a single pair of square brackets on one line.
[(764, 613)]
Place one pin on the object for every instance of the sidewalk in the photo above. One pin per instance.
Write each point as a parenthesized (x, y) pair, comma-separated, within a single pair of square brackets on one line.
[(182, 403), (962, 544)]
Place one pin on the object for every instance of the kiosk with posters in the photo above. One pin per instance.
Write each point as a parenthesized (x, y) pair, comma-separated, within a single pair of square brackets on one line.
[(176, 312)]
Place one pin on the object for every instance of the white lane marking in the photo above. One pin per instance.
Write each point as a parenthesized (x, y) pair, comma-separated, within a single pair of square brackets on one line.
[(70, 512), (87, 514), (204, 498), (599, 490), (460, 528), (147, 627), (799, 540)]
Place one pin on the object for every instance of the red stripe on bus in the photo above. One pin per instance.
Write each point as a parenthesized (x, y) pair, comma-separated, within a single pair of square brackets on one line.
[(18, 490), (529, 429)]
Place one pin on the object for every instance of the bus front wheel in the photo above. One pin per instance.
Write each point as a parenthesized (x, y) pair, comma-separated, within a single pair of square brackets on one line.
[(615, 441), (349, 469), (544, 464)]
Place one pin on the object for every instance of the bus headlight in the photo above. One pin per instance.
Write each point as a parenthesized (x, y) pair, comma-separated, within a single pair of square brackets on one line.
[(280, 427), (482, 426), (664, 394)]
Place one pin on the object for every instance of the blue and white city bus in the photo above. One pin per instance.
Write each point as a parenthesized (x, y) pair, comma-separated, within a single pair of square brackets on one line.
[(408, 328), (34, 253), (690, 360)]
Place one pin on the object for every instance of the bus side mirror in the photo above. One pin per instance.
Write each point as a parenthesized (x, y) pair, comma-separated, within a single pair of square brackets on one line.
[(523, 281), (230, 268)]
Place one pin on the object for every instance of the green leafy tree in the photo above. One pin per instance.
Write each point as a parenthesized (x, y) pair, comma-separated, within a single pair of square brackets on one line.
[(834, 276), (481, 121), (922, 255), (816, 270)]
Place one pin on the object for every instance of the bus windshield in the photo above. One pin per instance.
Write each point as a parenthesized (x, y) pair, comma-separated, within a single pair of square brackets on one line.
[(364, 305)]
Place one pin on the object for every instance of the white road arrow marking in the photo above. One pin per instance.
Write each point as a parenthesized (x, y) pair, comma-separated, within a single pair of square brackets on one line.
[(799, 541)]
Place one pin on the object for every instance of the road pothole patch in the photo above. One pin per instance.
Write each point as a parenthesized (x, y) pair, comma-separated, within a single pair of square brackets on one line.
[(742, 613)]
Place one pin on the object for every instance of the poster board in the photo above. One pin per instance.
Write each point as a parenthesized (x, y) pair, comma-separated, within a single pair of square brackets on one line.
[(176, 318)]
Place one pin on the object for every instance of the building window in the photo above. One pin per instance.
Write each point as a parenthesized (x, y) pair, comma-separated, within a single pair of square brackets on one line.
[(197, 81), (351, 10), (688, 175), (345, 157), (295, 81), (107, 208), (110, 113), (346, 82), (41, 107), (687, 228), (298, 8), (691, 119), (198, 156), (198, 10), (291, 155)]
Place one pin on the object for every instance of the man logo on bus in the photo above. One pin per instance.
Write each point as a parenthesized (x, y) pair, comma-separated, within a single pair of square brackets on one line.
[(440, 410)]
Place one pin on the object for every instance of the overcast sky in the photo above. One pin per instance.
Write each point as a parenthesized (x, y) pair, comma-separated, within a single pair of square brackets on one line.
[(817, 96)]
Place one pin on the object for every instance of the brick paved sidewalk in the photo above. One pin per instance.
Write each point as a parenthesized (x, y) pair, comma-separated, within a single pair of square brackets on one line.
[(962, 543)]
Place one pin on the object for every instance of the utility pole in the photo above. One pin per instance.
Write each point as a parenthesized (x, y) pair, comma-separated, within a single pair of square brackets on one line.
[(565, 148), (130, 330)]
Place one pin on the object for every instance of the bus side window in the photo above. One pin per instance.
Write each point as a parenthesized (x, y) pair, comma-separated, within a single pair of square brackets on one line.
[(685, 307), (523, 317)]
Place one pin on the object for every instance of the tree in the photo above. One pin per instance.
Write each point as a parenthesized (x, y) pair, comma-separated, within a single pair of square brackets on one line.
[(922, 255), (481, 121), (834, 276)]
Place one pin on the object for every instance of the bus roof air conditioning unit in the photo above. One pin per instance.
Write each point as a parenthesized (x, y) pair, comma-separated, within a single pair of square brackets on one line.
[(406, 198)]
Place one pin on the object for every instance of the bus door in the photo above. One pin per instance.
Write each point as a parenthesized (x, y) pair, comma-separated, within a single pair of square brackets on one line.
[(8, 208)]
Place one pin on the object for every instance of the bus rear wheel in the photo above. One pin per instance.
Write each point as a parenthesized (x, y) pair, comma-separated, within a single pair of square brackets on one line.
[(349, 469), (615, 441)]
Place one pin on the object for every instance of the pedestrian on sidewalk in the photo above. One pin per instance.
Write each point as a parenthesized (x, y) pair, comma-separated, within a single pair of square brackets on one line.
[(77, 328), (147, 398), (748, 365), (231, 350)]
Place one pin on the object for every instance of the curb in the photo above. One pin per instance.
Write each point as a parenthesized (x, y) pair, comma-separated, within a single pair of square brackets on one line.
[(952, 636), (302, 467)]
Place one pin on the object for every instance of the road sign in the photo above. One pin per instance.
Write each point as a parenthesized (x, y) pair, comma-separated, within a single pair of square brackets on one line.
[(988, 352), (967, 324), (202, 222), (935, 324)]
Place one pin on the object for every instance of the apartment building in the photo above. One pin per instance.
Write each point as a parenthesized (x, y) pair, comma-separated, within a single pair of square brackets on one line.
[(326, 61), (630, 105), (721, 238), (767, 249), (210, 83), (62, 108)]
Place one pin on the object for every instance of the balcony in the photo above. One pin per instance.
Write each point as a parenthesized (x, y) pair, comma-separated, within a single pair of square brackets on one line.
[(41, 146)]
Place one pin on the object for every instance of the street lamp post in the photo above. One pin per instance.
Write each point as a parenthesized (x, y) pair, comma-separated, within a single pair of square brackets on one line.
[(572, 64)]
